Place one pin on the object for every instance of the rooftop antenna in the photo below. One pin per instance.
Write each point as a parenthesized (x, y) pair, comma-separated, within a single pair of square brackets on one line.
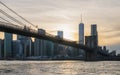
[(81, 18)]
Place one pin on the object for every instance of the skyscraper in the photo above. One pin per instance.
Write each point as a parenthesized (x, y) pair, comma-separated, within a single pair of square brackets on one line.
[(0, 48), (37, 47), (81, 32), (60, 34), (26, 44), (60, 48), (50, 48), (7, 45), (94, 30), (17, 49), (40, 45)]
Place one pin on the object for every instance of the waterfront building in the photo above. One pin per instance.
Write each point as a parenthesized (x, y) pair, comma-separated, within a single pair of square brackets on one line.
[(113, 53), (0, 48), (26, 43), (40, 48), (70, 50), (81, 33), (32, 48), (40, 45), (81, 53), (50, 49), (36, 47), (29, 47), (17, 49), (100, 48), (61, 48), (56, 51), (105, 50), (43, 48), (8, 45)]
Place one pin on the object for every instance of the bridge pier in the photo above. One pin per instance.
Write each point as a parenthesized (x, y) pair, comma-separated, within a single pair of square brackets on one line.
[(91, 55)]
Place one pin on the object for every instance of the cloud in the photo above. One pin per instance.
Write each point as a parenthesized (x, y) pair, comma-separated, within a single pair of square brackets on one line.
[(115, 35), (113, 32)]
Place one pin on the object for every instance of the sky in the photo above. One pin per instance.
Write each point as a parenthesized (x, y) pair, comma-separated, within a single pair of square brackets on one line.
[(65, 15)]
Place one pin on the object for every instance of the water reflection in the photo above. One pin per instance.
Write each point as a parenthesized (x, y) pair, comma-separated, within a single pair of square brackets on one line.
[(59, 68)]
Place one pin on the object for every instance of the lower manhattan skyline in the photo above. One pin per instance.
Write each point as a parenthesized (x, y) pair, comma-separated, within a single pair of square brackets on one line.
[(66, 16)]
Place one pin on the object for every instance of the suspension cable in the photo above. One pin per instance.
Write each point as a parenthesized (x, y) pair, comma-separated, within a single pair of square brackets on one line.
[(18, 14), (5, 20), (12, 18)]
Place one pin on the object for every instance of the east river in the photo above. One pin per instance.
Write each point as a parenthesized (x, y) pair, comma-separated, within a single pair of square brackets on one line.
[(59, 68)]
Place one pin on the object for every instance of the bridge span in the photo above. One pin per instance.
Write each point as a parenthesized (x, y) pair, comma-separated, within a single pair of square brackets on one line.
[(11, 28), (26, 31)]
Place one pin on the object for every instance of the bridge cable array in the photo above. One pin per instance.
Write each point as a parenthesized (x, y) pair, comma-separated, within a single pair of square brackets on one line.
[(18, 15), (5, 20), (10, 17)]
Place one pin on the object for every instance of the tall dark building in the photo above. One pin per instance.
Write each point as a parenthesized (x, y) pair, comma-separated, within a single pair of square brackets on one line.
[(0, 48), (26, 44), (50, 49), (81, 32), (40, 45), (94, 30), (8, 45), (92, 41), (17, 49)]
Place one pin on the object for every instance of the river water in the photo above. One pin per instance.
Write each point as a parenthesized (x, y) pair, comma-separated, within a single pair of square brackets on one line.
[(59, 68)]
